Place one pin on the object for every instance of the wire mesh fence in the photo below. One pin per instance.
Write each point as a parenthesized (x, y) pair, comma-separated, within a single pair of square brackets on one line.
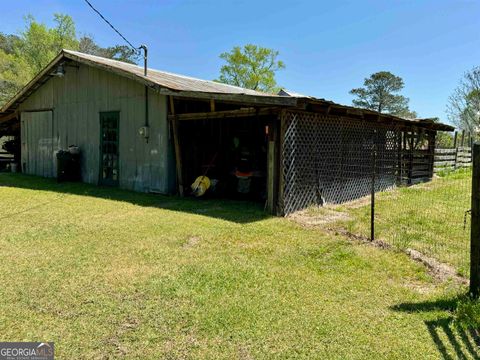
[(431, 217), (421, 196)]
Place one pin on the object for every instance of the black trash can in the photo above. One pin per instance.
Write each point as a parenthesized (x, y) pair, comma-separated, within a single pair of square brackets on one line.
[(68, 166)]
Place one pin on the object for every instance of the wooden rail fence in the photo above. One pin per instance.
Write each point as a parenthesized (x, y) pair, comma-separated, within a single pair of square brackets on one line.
[(451, 159)]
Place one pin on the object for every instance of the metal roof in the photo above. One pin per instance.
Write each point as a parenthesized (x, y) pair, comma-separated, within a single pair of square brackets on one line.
[(164, 82), (431, 123), (184, 86), (168, 80)]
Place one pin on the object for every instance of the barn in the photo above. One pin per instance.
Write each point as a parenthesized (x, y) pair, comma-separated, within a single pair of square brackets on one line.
[(159, 132)]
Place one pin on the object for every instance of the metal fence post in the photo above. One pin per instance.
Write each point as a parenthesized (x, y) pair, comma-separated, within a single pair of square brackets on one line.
[(475, 224), (372, 198)]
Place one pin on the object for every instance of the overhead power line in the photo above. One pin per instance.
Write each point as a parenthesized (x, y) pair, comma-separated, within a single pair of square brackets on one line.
[(113, 27)]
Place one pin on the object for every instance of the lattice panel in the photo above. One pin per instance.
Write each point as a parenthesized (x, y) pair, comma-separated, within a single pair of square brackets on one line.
[(330, 159)]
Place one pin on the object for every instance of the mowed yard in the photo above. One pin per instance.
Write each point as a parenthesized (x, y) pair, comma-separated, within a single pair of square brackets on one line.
[(432, 218), (107, 273)]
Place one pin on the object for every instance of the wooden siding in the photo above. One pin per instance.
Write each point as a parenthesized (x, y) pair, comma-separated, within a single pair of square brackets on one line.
[(76, 101), (38, 143)]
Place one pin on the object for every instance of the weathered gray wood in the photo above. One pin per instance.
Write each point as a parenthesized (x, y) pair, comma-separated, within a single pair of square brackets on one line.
[(240, 113), (40, 156), (271, 168), (79, 97), (178, 156), (445, 151)]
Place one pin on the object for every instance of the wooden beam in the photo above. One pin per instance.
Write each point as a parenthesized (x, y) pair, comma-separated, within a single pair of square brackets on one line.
[(232, 98), (226, 114), (272, 167), (212, 105), (172, 105), (178, 156), (475, 225), (281, 178), (8, 117)]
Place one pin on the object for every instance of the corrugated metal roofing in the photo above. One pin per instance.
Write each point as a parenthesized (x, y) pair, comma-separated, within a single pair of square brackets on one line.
[(169, 80), (180, 85)]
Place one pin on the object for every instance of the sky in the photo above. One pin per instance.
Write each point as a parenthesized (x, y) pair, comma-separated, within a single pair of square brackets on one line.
[(329, 47)]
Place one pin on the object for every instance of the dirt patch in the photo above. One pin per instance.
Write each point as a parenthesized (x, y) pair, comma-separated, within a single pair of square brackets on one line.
[(358, 203), (191, 242), (440, 271), (114, 341), (325, 217), (419, 287), (318, 217)]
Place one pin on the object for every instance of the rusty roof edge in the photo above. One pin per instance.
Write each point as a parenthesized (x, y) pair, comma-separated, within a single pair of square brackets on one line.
[(164, 90), (288, 101), (254, 99), (427, 122)]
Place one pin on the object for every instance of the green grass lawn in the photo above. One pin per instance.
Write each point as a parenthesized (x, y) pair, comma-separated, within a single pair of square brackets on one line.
[(107, 273), (428, 217)]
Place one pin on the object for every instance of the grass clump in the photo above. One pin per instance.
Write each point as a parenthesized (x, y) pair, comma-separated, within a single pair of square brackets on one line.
[(468, 313)]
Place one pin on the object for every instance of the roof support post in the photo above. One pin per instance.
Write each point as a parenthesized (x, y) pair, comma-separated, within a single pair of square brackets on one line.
[(178, 155)]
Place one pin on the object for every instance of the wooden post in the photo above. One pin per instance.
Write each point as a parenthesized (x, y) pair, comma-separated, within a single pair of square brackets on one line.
[(410, 165), (399, 160), (271, 168), (281, 179), (456, 150), (372, 196), (475, 225), (178, 156), (431, 152), (463, 138)]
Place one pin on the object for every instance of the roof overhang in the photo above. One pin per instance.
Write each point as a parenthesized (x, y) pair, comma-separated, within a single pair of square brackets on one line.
[(296, 101), (329, 107), (45, 75)]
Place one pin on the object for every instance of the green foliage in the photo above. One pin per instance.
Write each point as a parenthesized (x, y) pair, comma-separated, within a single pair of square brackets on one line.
[(252, 67), (468, 313), (444, 140), (380, 94), (24, 55), (8, 43), (118, 52)]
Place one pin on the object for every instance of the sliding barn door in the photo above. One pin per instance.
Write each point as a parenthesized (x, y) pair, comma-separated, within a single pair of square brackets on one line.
[(38, 143)]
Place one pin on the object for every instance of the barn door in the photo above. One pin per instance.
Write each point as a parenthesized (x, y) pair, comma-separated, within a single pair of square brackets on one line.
[(38, 143), (109, 136)]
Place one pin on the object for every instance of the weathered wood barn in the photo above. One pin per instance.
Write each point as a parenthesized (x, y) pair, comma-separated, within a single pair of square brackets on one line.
[(159, 132)]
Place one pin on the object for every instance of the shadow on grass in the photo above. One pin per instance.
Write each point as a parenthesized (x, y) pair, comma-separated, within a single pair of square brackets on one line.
[(230, 210), (452, 342)]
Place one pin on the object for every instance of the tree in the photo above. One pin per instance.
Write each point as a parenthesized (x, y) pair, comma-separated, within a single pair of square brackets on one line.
[(463, 106), (380, 93), (118, 52), (252, 67), (24, 55)]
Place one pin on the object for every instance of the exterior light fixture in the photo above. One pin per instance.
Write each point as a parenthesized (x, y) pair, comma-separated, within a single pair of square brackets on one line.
[(59, 71)]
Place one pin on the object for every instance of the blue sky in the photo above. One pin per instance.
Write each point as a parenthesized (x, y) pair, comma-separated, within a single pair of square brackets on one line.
[(329, 47)]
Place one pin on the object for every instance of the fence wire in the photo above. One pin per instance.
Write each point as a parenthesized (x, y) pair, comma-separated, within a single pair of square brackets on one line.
[(431, 217), (421, 182)]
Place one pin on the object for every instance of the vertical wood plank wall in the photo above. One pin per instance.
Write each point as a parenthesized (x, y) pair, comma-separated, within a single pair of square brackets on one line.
[(77, 99), (38, 144)]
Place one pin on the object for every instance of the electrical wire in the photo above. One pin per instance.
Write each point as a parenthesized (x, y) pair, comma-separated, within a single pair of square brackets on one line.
[(113, 27)]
